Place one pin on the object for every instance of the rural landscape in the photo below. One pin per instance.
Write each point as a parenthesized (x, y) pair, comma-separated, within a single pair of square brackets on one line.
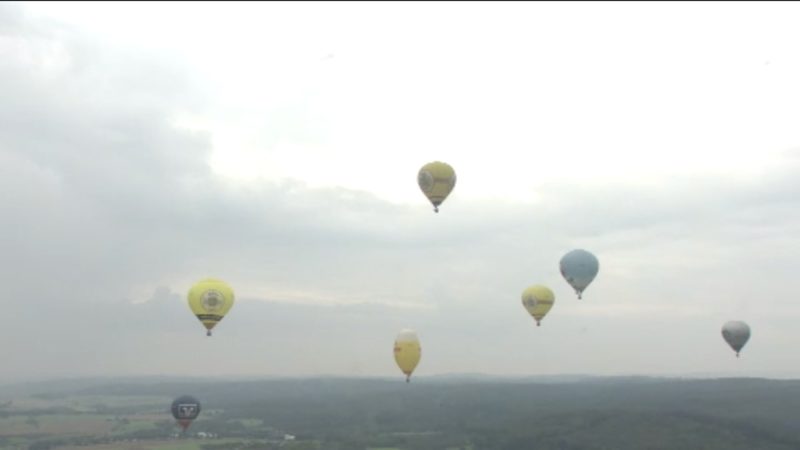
[(447, 412)]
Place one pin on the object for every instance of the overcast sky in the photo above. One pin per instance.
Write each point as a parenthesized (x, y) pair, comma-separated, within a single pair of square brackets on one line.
[(144, 146)]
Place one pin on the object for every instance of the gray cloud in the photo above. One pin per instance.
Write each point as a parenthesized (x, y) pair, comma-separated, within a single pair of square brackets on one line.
[(102, 196)]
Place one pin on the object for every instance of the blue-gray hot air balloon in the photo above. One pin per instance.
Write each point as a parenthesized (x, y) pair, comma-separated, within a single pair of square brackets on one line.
[(736, 333), (579, 268)]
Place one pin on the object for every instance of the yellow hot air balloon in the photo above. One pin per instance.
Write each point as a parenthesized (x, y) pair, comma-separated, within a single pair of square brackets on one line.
[(407, 351), (437, 180), (210, 299), (538, 300)]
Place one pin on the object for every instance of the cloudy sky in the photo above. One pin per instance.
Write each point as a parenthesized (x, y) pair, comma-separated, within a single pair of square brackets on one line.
[(144, 146)]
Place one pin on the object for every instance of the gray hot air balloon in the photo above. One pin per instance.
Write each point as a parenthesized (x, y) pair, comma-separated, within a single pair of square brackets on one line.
[(579, 268), (185, 409), (736, 333)]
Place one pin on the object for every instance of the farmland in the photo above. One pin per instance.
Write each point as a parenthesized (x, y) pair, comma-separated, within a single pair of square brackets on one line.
[(378, 414)]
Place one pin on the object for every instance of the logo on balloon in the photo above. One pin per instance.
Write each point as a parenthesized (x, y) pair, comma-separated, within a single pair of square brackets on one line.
[(187, 410), (425, 180), (213, 300)]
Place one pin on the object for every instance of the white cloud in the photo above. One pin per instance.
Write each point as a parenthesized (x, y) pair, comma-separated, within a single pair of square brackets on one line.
[(224, 141)]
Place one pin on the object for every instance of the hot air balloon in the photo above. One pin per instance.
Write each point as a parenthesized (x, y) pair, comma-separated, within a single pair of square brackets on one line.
[(437, 180), (210, 300), (538, 300), (185, 409), (736, 333), (579, 268), (407, 351)]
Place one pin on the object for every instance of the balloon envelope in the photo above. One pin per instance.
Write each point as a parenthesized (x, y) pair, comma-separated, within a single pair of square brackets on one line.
[(210, 299), (538, 300), (436, 180), (185, 409), (407, 351), (736, 333), (579, 267)]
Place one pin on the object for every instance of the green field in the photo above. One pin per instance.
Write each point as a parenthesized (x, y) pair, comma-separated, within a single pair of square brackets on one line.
[(183, 444), (57, 424)]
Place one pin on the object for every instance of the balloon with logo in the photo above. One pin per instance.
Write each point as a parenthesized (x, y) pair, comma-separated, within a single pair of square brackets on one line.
[(579, 267), (210, 299), (437, 180), (185, 409), (407, 351), (736, 333), (538, 300)]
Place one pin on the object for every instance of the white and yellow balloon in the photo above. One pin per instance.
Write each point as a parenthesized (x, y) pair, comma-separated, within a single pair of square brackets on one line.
[(538, 300), (436, 180), (210, 299), (407, 351)]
